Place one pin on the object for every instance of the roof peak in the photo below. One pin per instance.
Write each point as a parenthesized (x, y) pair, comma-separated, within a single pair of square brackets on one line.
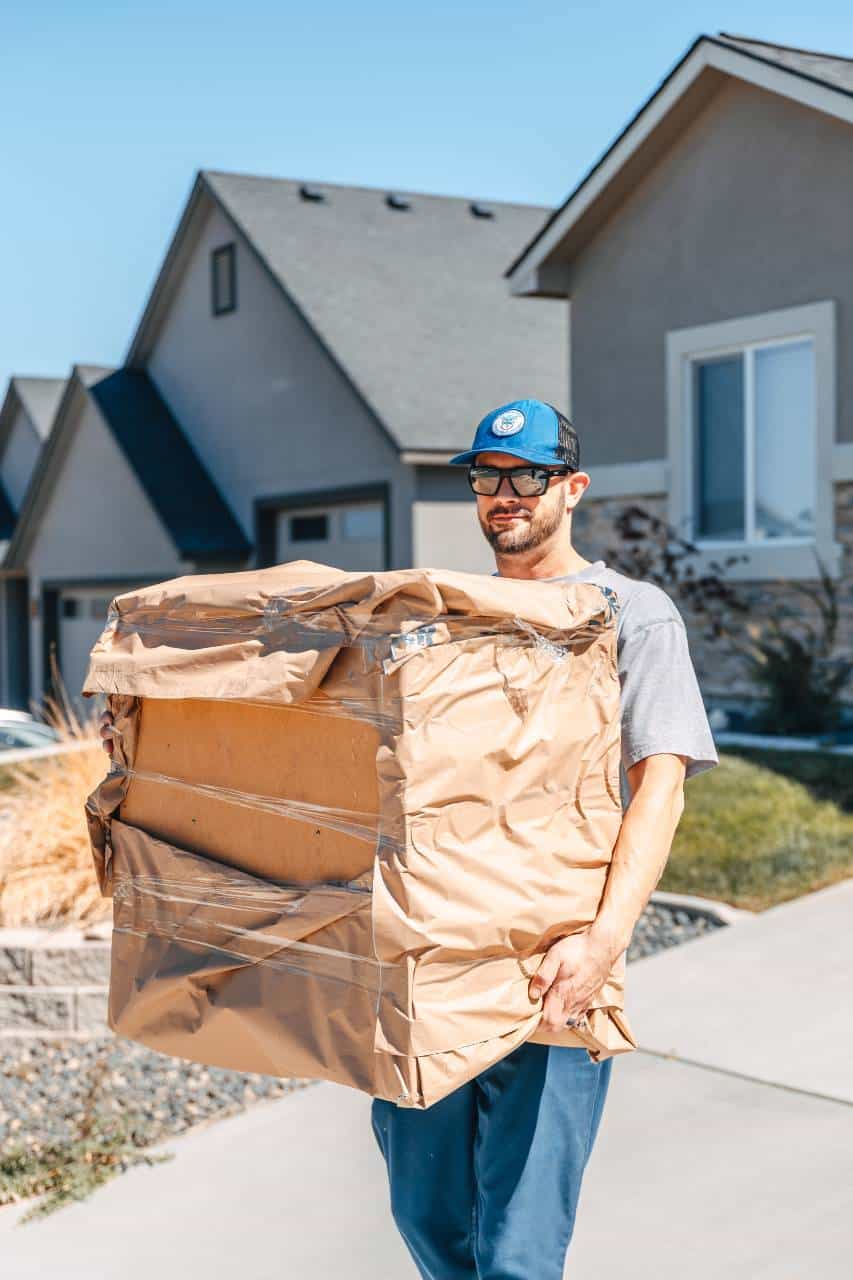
[(786, 48)]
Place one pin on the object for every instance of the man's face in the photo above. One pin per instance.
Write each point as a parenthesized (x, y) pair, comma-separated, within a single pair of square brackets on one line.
[(515, 525)]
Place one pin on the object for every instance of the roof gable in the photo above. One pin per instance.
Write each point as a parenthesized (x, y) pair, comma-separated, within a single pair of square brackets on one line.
[(179, 488), (40, 398), (178, 485), (821, 82), (406, 295)]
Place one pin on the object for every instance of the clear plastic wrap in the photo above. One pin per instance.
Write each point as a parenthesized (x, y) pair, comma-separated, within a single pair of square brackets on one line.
[(348, 814)]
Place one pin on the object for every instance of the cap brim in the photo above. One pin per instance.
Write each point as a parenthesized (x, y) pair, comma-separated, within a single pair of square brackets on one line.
[(471, 455)]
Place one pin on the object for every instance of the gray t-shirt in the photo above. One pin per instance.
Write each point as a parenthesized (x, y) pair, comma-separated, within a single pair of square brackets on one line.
[(661, 705)]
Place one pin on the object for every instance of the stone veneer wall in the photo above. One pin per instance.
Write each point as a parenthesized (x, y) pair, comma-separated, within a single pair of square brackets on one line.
[(53, 983), (722, 673)]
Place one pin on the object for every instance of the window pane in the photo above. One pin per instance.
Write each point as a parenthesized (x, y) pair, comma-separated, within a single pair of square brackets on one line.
[(784, 441), (360, 523), (719, 448), (223, 279), (309, 528)]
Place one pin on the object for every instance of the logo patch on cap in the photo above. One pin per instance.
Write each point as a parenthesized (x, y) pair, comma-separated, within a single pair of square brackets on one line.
[(509, 423)]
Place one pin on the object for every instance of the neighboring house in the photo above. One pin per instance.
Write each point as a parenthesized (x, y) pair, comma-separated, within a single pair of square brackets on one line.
[(705, 259), (311, 356), (119, 498), (26, 416)]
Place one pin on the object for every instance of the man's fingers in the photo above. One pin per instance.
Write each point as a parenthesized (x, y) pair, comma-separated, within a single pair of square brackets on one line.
[(545, 975), (554, 1009), (106, 732)]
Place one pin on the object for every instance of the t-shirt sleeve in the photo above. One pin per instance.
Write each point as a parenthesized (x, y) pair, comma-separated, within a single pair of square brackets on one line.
[(662, 707)]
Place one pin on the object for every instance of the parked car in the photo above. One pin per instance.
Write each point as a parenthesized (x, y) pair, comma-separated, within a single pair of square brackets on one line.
[(19, 729)]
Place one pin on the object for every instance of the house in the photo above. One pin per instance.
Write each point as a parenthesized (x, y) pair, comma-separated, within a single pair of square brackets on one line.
[(119, 497), (704, 259), (309, 359), (26, 417)]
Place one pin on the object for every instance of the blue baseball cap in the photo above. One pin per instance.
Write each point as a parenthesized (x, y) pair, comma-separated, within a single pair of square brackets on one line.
[(528, 429)]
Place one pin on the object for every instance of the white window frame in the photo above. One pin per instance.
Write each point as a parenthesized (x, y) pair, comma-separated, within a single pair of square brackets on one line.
[(792, 557)]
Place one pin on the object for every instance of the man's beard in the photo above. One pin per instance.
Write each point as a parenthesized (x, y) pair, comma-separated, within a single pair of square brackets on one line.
[(528, 534)]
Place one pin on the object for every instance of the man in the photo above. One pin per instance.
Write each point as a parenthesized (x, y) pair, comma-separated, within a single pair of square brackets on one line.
[(485, 1183)]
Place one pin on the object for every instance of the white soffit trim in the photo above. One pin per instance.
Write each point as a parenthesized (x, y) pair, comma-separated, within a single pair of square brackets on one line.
[(707, 54), (650, 479), (426, 459), (628, 479)]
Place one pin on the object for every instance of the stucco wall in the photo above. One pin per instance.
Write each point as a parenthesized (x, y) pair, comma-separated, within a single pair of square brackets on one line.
[(19, 458), (749, 212), (263, 403), (97, 524), (446, 532)]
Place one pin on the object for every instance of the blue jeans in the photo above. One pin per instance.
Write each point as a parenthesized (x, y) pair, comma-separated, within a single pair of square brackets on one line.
[(485, 1183)]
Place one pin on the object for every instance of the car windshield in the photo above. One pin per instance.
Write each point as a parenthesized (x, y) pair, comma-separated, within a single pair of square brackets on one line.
[(14, 735)]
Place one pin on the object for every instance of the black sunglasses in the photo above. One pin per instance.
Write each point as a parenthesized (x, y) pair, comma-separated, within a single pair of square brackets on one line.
[(525, 482)]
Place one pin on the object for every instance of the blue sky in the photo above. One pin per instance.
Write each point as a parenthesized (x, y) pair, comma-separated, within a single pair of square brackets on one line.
[(109, 109)]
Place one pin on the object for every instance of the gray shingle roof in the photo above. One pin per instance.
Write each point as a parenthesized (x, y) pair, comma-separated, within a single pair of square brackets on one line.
[(40, 397), (833, 70), (178, 486), (412, 303)]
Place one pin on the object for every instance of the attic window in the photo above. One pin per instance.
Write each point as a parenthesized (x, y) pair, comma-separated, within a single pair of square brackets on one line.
[(397, 202), (480, 210), (223, 279), (311, 194)]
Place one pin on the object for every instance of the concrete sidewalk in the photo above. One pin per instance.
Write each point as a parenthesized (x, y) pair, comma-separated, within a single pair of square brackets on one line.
[(769, 998), (727, 1144), (289, 1190), (731, 1158)]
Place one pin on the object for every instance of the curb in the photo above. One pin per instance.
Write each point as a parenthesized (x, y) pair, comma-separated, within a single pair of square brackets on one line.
[(709, 908)]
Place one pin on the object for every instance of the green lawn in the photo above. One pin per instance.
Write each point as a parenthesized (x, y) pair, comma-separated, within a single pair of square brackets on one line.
[(763, 827)]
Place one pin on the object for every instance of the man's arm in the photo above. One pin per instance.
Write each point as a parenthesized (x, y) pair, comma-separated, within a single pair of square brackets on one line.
[(574, 969), (642, 846)]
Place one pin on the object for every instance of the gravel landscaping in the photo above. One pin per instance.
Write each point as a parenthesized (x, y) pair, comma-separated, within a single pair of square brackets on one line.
[(660, 927), (74, 1112)]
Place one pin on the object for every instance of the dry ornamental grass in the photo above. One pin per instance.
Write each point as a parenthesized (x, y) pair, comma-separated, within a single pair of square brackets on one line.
[(46, 871)]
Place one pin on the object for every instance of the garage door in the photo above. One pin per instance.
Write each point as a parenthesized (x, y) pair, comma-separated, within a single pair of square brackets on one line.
[(348, 536), (82, 618)]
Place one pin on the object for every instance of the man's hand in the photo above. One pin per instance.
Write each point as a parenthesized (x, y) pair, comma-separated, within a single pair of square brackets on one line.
[(571, 974), (106, 732)]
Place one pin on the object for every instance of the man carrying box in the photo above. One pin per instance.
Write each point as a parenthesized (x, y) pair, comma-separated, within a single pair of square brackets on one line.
[(485, 1182)]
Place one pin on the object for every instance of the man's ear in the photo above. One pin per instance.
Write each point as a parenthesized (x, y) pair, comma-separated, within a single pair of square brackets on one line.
[(575, 490)]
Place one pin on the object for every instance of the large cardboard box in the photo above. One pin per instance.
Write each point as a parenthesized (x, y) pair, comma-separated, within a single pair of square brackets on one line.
[(348, 813)]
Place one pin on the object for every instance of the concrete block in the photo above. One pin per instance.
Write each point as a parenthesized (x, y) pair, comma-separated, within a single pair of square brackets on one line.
[(90, 1012), (29, 1008), (14, 966), (84, 965)]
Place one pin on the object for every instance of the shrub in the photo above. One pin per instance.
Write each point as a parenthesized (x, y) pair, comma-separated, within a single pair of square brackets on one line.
[(796, 663), (46, 870)]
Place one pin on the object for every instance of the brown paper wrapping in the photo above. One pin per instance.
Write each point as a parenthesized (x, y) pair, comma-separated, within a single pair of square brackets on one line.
[(348, 814)]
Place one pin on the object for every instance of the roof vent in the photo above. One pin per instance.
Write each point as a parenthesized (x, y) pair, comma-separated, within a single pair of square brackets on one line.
[(480, 210), (397, 202), (311, 194)]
